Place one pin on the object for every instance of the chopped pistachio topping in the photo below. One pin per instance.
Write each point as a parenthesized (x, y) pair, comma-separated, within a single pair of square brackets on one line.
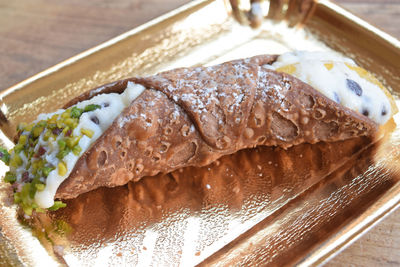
[(76, 112), (4, 156), (35, 141), (47, 170), (62, 168), (16, 161), (73, 141), (10, 177), (76, 150), (57, 205), (40, 187), (91, 107), (47, 148), (87, 132), (37, 130), (61, 144)]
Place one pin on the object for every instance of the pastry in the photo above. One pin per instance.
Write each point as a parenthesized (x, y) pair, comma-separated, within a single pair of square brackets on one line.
[(139, 127)]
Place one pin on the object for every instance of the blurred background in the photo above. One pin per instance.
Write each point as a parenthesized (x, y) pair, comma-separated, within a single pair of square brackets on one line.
[(35, 35)]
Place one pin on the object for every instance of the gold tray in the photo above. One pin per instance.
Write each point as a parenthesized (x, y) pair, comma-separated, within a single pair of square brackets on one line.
[(297, 219)]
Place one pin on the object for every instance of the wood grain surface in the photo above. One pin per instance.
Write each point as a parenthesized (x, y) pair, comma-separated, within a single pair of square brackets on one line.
[(35, 35)]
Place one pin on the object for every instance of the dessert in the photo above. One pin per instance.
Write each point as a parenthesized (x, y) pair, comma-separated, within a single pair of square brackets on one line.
[(139, 127)]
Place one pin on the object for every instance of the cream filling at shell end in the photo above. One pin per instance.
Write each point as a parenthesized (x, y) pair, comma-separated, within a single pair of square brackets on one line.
[(340, 79), (106, 115)]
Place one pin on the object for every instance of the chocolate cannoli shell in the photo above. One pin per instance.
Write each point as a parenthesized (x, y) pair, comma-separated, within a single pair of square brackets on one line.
[(193, 116)]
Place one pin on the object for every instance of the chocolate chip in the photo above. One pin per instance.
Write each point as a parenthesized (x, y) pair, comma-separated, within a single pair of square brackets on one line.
[(354, 86), (106, 104), (56, 131), (336, 97), (25, 177), (365, 112), (41, 151), (384, 111), (95, 119)]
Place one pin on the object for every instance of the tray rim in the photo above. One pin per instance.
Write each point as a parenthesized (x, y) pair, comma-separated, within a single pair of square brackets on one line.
[(332, 246), (360, 22), (388, 203)]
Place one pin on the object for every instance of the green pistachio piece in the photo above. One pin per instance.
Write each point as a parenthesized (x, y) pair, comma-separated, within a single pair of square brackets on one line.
[(32, 191), (65, 130), (40, 187), (4, 156), (29, 127), (37, 130), (10, 177), (40, 210), (53, 119), (37, 166), (47, 170), (73, 141), (21, 127), (52, 125), (15, 161), (33, 188), (62, 168), (70, 122), (60, 124), (17, 198), (25, 199), (46, 135), (87, 132), (62, 153), (66, 114), (61, 144), (57, 205), (27, 210), (42, 123), (22, 139), (76, 112), (91, 107), (32, 142), (18, 148), (76, 150)]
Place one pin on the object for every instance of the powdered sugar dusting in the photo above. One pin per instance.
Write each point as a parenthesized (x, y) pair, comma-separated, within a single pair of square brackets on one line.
[(122, 120), (100, 89), (197, 88)]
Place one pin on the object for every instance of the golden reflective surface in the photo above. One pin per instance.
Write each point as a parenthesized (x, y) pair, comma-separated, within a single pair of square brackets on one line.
[(325, 196), (191, 213)]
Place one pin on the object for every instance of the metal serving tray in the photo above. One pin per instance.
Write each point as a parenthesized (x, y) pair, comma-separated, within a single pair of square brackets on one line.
[(297, 218)]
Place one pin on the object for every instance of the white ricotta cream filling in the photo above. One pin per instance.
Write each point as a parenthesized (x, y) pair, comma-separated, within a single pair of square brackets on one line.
[(96, 121), (340, 79)]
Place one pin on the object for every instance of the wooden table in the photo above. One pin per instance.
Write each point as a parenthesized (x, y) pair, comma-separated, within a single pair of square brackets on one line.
[(35, 35)]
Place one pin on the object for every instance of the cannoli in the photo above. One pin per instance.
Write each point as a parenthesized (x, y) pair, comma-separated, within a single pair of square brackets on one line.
[(185, 117)]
